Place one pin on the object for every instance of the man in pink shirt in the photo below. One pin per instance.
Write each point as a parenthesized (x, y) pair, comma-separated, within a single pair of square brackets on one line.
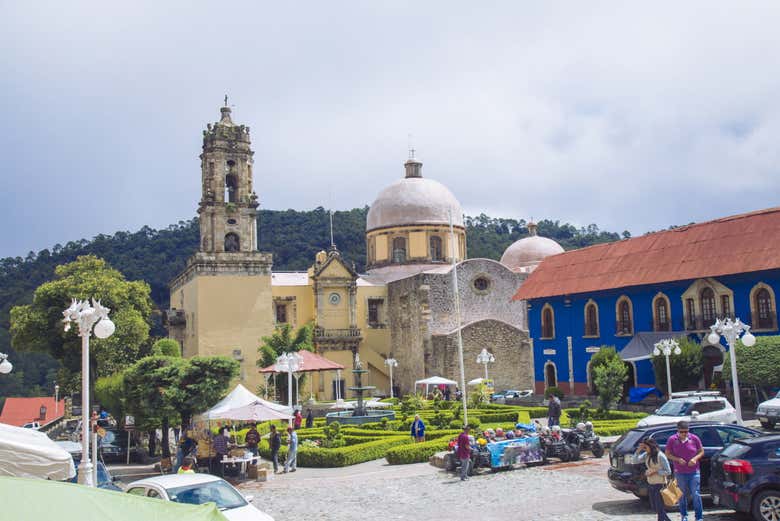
[(464, 453), (685, 451)]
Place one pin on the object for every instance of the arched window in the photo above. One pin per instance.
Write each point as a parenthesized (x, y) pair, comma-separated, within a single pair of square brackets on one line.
[(661, 319), (399, 250), (591, 319), (625, 323), (764, 310), (548, 322), (435, 247), (231, 183), (550, 375), (708, 313), (232, 242)]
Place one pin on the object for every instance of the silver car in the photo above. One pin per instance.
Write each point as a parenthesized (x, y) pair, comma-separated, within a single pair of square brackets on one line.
[(196, 489)]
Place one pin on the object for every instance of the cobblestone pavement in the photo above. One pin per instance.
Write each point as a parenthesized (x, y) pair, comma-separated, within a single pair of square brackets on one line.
[(569, 492)]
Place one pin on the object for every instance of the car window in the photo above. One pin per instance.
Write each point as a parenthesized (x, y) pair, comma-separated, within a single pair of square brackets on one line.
[(709, 406), (153, 493), (674, 408), (735, 450), (708, 436), (137, 491), (728, 436), (663, 436), (219, 492)]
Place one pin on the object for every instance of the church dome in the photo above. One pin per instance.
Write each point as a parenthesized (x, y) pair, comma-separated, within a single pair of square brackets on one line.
[(414, 200), (529, 251)]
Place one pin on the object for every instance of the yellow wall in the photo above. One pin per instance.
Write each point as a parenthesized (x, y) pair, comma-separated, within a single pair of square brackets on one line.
[(304, 303), (417, 238), (418, 245), (382, 253)]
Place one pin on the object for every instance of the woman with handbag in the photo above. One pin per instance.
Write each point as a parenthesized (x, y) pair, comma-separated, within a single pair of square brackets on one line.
[(658, 471)]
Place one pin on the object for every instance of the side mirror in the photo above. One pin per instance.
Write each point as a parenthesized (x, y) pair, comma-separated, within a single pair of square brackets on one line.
[(249, 498)]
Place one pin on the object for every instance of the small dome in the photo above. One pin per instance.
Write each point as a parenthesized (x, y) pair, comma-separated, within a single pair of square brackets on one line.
[(414, 200), (529, 251)]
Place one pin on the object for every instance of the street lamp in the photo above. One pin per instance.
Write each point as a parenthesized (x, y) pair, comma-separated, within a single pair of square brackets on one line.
[(730, 330), (289, 363), (390, 363), (56, 400), (5, 365), (485, 358), (86, 316), (666, 347)]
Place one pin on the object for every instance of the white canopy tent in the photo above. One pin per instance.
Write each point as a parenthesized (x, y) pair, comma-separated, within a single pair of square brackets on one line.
[(434, 380), (475, 381), (237, 398), (255, 411), (26, 453)]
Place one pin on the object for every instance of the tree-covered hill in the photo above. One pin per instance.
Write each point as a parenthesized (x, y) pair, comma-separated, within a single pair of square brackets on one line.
[(294, 237)]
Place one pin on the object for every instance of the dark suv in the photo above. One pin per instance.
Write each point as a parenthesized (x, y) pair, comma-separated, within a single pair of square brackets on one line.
[(746, 477), (628, 475)]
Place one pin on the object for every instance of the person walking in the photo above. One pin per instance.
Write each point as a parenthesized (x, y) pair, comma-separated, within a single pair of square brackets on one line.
[(658, 471), (252, 438), (464, 453), (418, 429), (297, 419), (275, 442), (292, 451), (309, 419), (685, 451), (554, 411)]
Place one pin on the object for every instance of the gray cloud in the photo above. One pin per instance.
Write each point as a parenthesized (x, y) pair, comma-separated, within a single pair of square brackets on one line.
[(629, 116)]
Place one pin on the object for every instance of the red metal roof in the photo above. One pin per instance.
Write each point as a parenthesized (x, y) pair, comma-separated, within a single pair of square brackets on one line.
[(311, 362), (730, 245), (18, 411)]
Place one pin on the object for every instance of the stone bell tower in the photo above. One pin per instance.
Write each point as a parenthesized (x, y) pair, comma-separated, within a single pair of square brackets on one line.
[(221, 303), (228, 205)]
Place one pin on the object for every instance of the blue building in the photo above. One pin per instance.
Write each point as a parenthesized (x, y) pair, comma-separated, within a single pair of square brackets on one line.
[(632, 293)]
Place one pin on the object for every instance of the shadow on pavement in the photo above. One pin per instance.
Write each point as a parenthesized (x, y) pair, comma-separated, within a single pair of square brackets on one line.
[(622, 507)]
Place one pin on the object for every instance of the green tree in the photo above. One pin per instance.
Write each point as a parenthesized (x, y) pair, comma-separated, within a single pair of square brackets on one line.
[(686, 368), (166, 347), (609, 378), (757, 365), (150, 388), (110, 393), (284, 340), (203, 381), (38, 326)]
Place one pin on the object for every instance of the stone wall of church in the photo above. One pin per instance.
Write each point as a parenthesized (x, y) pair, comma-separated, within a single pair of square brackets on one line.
[(409, 315), (513, 368)]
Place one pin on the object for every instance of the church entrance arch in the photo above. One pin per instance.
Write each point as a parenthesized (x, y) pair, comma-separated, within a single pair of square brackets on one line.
[(711, 358), (232, 242), (630, 381)]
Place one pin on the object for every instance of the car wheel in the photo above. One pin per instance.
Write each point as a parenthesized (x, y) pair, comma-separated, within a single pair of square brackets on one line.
[(598, 449), (766, 505), (575, 452)]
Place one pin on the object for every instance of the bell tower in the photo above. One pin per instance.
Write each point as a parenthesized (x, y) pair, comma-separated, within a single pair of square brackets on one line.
[(228, 204), (221, 303)]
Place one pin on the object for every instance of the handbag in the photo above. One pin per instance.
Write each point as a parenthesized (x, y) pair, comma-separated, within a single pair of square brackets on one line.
[(671, 493)]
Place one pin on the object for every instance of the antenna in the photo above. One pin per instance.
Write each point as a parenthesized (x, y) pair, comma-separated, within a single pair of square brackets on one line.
[(332, 244)]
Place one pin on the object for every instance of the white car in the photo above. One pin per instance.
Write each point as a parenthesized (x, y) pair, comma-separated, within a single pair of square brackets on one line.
[(768, 412), (196, 489), (692, 406)]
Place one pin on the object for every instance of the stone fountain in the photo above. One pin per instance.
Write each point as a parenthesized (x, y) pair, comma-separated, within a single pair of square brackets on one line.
[(360, 414)]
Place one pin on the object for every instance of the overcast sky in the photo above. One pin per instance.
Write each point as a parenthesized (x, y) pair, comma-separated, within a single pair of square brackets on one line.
[(625, 115)]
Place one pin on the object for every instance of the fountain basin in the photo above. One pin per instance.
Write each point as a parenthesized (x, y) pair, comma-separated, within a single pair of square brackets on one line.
[(347, 418)]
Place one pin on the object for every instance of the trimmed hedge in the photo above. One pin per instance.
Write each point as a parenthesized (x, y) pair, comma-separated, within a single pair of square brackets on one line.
[(349, 455), (417, 452)]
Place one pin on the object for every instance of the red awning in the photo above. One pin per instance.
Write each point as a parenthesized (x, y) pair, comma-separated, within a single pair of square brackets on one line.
[(311, 362)]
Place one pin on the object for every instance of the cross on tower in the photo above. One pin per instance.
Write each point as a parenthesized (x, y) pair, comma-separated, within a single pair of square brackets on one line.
[(226, 98)]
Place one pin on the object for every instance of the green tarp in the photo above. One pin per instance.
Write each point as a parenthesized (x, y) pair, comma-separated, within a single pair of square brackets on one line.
[(23, 499)]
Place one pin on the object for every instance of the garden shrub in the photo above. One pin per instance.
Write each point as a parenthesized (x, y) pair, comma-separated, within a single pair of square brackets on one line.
[(344, 456), (333, 437), (550, 391), (509, 416), (417, 452)]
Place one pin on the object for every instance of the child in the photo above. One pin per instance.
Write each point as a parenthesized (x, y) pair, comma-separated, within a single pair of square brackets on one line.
[(187, 466)]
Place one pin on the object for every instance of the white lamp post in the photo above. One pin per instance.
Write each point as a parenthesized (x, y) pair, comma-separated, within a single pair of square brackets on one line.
[(86, 316), (56, 400), (289, 363), (730, 330), (390, 363), (666, 347), (485, 358), (5, 365)]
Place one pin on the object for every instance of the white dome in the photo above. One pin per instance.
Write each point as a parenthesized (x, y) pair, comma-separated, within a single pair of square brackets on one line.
[(529, 251), (414, 200)]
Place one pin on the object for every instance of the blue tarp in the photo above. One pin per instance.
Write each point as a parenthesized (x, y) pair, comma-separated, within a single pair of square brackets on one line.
[(519, 450), (637, 394)]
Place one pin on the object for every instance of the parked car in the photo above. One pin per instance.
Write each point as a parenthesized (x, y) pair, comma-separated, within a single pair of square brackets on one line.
[(692, 406), (768, 412), (511, 394), (104, 478), (627, 474), (113, 446), (196, 489), (745, 476), (32, 425)]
